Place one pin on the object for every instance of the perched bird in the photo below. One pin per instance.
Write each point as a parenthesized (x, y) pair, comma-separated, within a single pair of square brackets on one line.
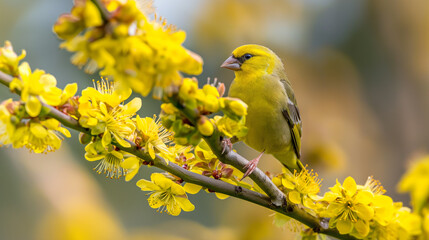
[(273, 120)]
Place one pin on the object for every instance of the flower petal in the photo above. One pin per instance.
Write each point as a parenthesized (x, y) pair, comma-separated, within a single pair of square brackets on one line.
[(146, 185), (122, 141), (107, 139), (362, 228), (221, 196), (344, 227), (133, 106), (364, 211), (33, 106), (185, 204), (349, 184), (130, 163), (154, 201), (295, 197), (192, 188), (38, 130)]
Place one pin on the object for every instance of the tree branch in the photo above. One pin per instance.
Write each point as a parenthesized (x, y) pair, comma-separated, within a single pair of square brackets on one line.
[(103, 11), (294, 211)]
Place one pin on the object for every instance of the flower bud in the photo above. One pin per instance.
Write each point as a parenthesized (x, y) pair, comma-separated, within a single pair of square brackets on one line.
[(211, 103), (68, 26), (205, 127), (169, 108), (188, 88), (210, 90), (238, 107), (84, 138)]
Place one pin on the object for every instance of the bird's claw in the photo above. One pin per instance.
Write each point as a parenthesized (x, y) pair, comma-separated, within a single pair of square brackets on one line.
[(226, 145)]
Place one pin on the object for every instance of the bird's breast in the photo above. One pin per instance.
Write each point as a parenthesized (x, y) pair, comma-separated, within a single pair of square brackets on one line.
[(266, 98)]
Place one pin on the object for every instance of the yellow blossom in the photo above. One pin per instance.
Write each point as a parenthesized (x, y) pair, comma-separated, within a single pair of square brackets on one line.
[(145, 55), (110, 159), (7, 125), (151, 135), (403, 225), (34, 86), (132, 166), (230, 127), (166, 195), (9, 60), (300, 187), (416, 182), (39, 137), (349, 208), (207, 164), (101, 111)]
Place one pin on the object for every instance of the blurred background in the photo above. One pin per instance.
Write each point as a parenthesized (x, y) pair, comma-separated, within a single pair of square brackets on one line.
[(360, 71)]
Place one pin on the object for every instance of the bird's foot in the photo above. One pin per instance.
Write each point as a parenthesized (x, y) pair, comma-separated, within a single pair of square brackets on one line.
[(226, 145), (251, 166)]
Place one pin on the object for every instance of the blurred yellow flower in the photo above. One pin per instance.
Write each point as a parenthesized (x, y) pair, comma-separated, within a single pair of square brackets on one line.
[(7, 126), (140, 53), (166, 195), (39, 137), (416, 182), (34, 86), (9, 60)]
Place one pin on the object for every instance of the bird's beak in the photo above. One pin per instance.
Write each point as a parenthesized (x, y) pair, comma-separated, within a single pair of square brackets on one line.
[(231, 63)]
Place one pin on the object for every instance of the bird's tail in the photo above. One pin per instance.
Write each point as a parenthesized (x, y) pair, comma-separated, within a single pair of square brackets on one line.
[(290, 161)]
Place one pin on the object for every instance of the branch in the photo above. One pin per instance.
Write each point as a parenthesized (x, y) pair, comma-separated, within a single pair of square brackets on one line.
[(294, 211), (103, 11)]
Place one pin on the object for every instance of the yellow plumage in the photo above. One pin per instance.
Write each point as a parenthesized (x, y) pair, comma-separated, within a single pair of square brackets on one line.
[(273, 121)]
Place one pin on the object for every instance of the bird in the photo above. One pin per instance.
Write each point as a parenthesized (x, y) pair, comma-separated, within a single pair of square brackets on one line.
[(273, 119)]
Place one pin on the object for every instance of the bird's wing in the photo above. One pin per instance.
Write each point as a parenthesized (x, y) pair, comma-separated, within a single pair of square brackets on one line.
[(291, 114)]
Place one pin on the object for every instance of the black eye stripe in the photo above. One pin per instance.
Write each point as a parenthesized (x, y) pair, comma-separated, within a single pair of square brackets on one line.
[(245, 57)]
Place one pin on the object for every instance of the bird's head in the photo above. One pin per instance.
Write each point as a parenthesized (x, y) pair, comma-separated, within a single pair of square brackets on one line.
[(253, 59)]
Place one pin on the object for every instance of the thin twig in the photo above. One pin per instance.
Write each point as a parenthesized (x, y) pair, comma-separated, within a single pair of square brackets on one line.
[(103, 11)]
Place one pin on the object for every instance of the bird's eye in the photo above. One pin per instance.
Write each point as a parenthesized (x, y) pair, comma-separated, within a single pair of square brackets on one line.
[(247, 56)]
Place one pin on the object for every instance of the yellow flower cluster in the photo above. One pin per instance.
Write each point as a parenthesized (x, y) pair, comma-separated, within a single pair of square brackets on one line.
[(166, 195), (35, 87), (416, 182), (206, 163), (299, 187), (25, 123), (40, 136), (356, 209), (101, 110), (203, 102), (151, 136), (144, 54)]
